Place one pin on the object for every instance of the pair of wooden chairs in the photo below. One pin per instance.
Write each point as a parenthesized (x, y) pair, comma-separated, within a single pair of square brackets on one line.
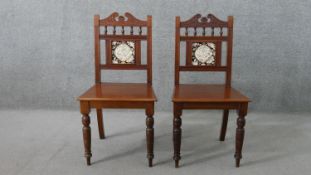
[(203, 53)]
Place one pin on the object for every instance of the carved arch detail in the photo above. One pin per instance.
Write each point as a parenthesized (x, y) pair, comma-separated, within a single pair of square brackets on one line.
[(204, 21), (122, 20)]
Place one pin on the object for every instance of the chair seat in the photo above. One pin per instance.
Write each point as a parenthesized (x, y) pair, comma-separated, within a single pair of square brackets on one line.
[(139, 92), (207, 93)]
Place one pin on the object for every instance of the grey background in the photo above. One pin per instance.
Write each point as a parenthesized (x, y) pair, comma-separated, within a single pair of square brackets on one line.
[(46, 50)]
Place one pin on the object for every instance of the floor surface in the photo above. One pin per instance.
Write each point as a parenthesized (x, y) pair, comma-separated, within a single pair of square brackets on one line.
[(50, 142)]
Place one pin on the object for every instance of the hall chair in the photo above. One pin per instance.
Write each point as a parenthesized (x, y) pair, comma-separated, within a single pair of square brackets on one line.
[(122, 36), (204, 53)]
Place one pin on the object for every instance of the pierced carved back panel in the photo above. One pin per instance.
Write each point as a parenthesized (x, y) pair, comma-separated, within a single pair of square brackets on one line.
[(204, 37), (123, 35)]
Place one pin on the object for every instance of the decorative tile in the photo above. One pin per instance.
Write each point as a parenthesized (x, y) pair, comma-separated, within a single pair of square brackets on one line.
[(203, 53), (123, 52)]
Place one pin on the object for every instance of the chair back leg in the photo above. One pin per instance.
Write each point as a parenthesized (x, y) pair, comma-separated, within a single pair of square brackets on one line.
[(224, 125), (100, 123)]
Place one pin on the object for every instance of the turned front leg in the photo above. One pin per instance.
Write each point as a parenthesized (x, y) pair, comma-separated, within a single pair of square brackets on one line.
[(240, 134), (177, 134), (150, 133), (86, 131)]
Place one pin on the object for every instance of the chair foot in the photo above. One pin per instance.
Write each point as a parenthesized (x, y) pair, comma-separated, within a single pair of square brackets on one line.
[(176, 163), (150, 162), (88, 161), (237, 162)]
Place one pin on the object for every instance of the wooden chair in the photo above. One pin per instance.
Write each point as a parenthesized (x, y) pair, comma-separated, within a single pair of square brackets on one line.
[(123, 52), (203, 53)]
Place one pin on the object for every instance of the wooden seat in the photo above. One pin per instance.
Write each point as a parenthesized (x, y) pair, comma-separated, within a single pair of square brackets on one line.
[(123, 36), (204, 50), (139, 92), (207, 93)]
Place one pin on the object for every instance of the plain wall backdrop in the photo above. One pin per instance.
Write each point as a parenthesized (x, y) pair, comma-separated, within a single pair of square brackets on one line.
[(46, 50)]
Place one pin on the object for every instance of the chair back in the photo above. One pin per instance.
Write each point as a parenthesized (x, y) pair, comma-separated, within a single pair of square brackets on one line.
[(204, 37), (123, 36)]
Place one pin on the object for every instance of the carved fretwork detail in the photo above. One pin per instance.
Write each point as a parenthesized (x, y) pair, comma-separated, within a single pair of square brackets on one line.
[(118, 20), (203, 21)]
